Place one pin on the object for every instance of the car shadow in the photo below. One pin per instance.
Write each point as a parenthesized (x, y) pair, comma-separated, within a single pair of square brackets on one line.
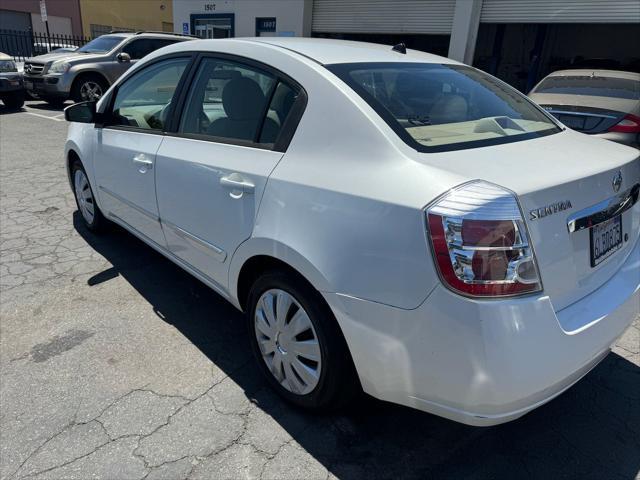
[(591, 431), (4, 110), (39, 104)]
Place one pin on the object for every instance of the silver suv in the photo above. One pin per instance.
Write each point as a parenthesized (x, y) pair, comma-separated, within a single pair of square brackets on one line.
[(87, 73)]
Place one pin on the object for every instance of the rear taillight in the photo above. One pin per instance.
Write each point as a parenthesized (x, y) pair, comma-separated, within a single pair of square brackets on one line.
[(480, 242), (629, 124)]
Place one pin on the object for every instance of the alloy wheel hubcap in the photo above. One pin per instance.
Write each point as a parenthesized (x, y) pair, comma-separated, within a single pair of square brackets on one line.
[(288, 342), (90, 91), (84, 196)]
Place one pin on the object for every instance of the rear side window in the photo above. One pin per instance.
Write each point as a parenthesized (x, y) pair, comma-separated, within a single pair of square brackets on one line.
[(232, 102), (595, 86), (435, 107)]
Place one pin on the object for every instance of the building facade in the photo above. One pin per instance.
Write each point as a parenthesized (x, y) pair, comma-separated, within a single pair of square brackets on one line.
[(519, 41), (242, 18), (24, 15), (102, 16)]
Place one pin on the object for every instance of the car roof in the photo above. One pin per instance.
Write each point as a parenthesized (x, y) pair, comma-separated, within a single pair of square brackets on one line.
[(321, 50), (329, 51), (595, 72), (4, 56), (147, 34)]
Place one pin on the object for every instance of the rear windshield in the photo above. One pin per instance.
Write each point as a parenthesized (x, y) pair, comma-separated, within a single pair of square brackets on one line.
[(436, 107), (101, 44), (591, 85)]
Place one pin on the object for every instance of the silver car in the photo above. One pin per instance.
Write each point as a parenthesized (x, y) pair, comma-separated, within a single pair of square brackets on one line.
[(87, 73), (605, 103)]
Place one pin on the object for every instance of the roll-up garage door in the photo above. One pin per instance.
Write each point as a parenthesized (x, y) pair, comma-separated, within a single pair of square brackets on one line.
[(560, 11), (383, 16)]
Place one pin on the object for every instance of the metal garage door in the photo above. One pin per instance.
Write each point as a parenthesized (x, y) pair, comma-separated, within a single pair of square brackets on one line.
[(560, 11), (383, 16)]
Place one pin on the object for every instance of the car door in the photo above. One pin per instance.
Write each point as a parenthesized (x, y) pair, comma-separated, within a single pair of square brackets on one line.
[(127, 144), (212, 171)]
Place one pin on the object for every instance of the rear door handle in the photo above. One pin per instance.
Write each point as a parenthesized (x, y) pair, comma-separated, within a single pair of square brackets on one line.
[(143, 162), (235, 181)]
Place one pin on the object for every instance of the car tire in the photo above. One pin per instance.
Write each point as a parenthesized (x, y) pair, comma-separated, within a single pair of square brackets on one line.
[(330, 382), (14, 102), (84, 84), (85, 199)]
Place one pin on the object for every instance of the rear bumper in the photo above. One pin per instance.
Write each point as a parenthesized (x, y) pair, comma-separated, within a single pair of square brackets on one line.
[(485, 362), (11, 84)]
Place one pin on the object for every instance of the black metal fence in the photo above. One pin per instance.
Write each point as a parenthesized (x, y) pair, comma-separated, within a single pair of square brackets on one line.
[(24, 44)]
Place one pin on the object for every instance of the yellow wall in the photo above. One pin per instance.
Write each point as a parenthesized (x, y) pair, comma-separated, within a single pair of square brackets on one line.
[(127, 14)]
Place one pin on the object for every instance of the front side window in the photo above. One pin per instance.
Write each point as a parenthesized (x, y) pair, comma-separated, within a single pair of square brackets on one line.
[(143, 100), (437, 107), (232, 101)]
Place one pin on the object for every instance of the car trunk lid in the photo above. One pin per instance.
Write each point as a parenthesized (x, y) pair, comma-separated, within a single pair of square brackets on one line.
[(554, 177), (584, 113)]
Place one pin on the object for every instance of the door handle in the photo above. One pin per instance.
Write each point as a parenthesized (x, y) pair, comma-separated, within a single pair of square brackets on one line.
[(143, 162), (235, 181)]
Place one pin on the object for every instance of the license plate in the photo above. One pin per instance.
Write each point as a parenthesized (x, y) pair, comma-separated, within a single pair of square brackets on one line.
[(606, 239), (28, 85)]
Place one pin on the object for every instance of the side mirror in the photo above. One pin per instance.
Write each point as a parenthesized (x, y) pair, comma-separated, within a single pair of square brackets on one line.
[(83, 112), (123, 57)]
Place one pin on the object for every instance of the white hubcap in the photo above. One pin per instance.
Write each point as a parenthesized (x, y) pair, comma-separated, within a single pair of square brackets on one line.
[(288, 341), (84, 196)]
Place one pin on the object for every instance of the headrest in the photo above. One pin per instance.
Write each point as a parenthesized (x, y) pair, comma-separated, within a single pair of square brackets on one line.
[(242, 99)]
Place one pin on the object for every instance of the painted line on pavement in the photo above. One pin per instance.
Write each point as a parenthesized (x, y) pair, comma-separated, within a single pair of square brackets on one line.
[(45, 116)]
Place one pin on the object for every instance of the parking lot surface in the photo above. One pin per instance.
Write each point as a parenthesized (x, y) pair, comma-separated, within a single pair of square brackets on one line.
[(117, 364)]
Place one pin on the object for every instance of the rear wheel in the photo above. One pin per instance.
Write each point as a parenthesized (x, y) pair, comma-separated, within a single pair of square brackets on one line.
[(298, 344), (87, 206), (89, 87)]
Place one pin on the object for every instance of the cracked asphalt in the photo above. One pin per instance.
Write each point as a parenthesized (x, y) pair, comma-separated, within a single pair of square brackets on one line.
[(116, 364)]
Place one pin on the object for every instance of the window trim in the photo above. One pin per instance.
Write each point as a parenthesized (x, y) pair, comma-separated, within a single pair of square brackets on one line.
[(288, 128), (340, 70), (108, 111)]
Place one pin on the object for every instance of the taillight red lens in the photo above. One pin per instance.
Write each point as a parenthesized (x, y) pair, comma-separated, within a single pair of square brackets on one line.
[(629, 124), (488, 233), (477, 256)]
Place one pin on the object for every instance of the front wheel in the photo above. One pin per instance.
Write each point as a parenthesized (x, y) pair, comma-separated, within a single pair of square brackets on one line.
[(89, 88), (298, 343), (91, 215)]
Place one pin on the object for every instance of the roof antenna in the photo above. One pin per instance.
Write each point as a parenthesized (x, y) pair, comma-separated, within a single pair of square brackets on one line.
[(400, 48)]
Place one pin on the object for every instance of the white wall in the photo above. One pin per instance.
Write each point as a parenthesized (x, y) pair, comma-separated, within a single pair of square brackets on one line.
[(291, 15)]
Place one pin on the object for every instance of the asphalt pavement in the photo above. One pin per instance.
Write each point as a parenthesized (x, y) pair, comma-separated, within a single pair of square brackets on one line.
[(116, 364)]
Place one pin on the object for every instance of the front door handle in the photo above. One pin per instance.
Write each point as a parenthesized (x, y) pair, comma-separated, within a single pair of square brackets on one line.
[(235, 181), (143, 162)]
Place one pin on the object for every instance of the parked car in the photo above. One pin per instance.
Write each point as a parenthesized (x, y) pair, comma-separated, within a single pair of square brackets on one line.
[(65, 49), (41, 48), (605, 103), (386, 218), (86, 73), (11, 86)]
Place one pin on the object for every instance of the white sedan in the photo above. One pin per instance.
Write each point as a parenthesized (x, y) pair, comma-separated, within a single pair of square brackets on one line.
[(388, 220)]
